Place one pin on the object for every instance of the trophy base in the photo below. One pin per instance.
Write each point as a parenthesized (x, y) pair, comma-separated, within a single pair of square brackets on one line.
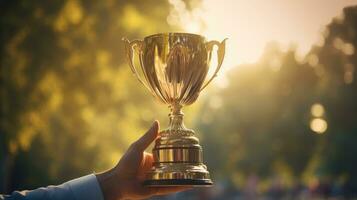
[(178, 174), (178, 161), (178, 182)]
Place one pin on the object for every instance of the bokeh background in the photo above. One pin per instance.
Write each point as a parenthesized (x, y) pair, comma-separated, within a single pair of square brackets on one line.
[(280, 121)]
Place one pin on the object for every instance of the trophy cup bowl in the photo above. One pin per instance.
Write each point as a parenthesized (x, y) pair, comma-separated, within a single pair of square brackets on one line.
[(174, 68)]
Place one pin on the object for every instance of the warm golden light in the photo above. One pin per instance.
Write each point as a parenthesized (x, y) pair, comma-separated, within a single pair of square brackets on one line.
[(251, 24), (317, 110), (277, 121), (215, 102), (313, 60), (318, 125)]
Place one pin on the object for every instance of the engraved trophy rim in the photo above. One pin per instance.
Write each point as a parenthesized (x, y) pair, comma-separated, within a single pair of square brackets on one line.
[(163, 34)]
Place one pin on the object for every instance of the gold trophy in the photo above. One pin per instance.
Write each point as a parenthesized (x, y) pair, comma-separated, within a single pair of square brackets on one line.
[(173, 67)]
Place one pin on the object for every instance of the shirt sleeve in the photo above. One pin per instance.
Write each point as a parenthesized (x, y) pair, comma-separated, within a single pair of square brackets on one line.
[(83, 188), (86, 188)]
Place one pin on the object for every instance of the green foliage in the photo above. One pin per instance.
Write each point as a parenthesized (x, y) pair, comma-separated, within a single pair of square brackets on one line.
[(338, 92), (261, 123), (263, 113), (69, 102)]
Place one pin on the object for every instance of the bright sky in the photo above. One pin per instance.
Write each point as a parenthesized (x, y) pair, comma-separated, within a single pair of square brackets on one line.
[(251, 24)]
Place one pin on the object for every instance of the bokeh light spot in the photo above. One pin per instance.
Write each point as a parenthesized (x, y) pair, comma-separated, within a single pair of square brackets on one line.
[(338, 43), (132, 19), (349, 73), (348, 49), (318, 125), (317, 110)]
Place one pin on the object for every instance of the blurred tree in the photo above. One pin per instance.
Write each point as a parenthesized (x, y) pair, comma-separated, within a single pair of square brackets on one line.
[(259, 121), (336, 66), (67, 103), (263, 122)]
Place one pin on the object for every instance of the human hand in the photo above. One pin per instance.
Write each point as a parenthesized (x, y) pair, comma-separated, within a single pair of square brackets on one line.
[(124, 181)]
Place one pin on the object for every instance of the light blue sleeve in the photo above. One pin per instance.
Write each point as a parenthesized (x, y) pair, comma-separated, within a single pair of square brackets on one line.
[(84, 188)]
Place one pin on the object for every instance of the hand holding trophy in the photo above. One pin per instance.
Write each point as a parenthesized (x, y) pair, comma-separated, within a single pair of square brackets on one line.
[(173, 67)]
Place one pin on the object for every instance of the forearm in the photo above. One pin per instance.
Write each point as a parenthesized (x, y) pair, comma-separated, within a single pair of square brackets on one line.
[(84, 188)]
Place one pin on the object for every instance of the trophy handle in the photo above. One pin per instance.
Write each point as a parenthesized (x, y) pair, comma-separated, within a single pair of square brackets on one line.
[(220, 54), (132, 47)]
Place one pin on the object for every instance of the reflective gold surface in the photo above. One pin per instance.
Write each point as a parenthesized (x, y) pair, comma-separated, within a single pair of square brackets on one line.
[(190, 155), (174, 68)]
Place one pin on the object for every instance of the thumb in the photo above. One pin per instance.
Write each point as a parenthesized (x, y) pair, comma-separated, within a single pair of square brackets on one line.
[(148, 137)]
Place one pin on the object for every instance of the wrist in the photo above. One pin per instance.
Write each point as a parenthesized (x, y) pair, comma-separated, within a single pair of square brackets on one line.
[(110, 186)]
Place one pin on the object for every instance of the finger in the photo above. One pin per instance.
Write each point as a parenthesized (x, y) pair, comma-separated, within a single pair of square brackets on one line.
[(146, 165), (148, 161), (148, 137)]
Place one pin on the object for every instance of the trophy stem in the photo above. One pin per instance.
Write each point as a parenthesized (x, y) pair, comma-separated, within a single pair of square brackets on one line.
[(176, 118)]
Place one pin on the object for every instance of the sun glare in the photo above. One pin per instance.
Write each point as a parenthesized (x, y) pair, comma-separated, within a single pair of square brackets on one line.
[(251, 24)]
